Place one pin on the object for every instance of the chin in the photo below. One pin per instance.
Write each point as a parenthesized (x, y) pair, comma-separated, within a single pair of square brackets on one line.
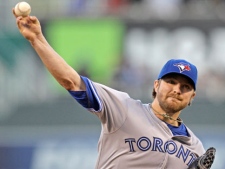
[(174, 106)]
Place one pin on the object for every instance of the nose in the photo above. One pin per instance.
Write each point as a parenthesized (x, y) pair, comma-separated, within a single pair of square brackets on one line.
[(177, 88)]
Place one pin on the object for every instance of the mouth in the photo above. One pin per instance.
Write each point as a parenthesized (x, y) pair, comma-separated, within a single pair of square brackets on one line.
[(175, 98)]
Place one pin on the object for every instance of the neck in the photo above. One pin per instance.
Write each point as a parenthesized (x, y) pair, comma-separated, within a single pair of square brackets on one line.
[(170, 118)]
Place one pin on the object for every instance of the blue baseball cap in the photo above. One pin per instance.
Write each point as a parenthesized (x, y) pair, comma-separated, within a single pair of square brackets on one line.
[(181, 67)]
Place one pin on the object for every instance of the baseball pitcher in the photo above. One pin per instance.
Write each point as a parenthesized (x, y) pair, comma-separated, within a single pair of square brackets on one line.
[(134, 135)]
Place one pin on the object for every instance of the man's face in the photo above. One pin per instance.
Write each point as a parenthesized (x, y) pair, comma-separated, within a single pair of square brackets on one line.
[(174, 92)]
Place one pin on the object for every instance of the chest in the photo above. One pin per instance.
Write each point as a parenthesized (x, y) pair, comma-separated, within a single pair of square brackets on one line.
[(145, 137)]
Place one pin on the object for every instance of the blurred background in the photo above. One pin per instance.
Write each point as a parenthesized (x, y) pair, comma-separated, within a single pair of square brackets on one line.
[(120, 43)]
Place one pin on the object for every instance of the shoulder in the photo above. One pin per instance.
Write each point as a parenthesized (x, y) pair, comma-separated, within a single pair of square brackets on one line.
[(106, 90)]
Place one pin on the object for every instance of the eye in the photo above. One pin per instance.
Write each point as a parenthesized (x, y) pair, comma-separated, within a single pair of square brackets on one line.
[(187, 87), (171, 81)]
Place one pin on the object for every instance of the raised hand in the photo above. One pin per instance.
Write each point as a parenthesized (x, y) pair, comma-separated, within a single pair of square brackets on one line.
[(29, 26)]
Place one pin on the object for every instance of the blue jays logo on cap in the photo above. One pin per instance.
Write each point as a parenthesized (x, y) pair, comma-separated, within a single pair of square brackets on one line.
[(180, 66)]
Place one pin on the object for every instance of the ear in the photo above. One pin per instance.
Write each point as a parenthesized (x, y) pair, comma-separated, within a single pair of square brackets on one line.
[(156, 85), (193, 95), (192, 98)]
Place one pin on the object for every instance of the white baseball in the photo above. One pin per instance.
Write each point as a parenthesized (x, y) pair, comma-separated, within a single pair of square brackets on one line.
[(22, 9)]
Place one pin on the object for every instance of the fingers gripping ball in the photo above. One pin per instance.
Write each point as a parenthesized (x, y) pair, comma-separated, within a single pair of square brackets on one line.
[(22, 9)]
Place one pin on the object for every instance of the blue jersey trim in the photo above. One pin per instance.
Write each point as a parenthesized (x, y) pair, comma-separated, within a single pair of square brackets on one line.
[(89, 99), (97, 104)]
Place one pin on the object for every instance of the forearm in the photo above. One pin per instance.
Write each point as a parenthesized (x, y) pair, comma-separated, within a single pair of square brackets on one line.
[(56, 65)]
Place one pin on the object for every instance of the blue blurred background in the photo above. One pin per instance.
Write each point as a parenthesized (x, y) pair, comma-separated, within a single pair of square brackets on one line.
[(120, 43)]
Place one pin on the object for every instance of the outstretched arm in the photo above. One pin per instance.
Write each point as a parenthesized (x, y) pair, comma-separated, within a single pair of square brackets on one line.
[(66, 76)]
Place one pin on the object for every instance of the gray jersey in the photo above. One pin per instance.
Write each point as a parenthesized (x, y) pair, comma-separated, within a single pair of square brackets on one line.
[(133, 137)]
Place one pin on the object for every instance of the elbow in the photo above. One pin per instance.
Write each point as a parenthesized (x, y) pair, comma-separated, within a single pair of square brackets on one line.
[(67, 84)]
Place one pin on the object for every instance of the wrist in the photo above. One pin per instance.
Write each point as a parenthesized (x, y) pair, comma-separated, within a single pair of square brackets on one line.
[(37, 40)]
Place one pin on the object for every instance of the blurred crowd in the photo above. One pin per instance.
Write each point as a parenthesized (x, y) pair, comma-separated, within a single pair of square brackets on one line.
[(150, 9), (128, 9), (124, 9)]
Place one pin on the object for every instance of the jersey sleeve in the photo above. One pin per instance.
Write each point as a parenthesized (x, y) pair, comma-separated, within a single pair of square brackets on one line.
[(87, 98), (108, 104)]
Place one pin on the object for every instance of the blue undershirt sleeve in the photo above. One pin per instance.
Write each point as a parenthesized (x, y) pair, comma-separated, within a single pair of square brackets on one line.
[(86, 98)]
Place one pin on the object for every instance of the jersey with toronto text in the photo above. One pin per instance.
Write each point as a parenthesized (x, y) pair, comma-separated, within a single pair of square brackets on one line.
[(132, 137)]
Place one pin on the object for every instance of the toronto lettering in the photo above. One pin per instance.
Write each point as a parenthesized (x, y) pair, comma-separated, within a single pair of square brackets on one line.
[(157, 145)]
